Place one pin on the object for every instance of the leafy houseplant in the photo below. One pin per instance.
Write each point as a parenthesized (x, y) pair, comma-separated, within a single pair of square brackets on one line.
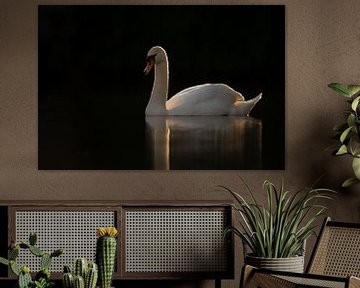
[(279, 229), (348, 133)]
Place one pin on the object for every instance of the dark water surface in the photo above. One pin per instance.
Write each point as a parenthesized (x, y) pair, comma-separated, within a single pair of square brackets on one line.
[(200, 142), (155, 143), (101, 133)]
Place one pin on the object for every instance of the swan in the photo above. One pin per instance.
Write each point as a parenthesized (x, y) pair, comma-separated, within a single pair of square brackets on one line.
[(207, 99)]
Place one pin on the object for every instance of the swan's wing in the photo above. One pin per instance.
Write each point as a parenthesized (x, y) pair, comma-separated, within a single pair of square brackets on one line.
[(193, 89), (206, 99)]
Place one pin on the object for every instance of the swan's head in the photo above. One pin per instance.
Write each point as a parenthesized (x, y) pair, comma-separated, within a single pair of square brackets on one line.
[(156, 55)]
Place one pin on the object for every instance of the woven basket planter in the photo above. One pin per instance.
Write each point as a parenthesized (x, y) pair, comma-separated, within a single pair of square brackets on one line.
[(291, 264)]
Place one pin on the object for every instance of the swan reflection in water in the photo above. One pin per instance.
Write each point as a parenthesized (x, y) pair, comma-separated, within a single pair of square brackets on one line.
[(203, 142)]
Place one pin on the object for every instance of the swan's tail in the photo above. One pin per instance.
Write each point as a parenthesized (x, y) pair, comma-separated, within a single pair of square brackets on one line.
[(244, 107)]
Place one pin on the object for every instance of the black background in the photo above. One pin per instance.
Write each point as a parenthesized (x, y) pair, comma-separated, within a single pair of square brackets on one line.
[(93, 94)]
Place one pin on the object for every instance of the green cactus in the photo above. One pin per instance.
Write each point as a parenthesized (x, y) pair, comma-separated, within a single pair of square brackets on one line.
[(24, 280), (87, 272), (68, 280), (13, 253), (92, 266), (79, 282), (42, 278), (25, 269), (91, 276), (57, 252), (67, 269), (32, 238), (80, 268), (24, 245), (45, 261), (14, 268), (36, 251), (106, 254)]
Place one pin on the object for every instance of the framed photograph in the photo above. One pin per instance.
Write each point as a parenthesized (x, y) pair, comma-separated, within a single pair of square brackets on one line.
[(213, 97)]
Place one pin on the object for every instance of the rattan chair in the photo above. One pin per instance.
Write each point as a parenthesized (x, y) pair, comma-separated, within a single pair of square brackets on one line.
[(335, 262)]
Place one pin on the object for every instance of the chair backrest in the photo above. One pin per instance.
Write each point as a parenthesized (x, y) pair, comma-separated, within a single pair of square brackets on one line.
[(337, 251)]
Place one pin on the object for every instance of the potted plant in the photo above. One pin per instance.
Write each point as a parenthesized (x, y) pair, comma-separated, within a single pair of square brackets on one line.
[(84, 274), (87, 274), (275, 233), (42, 278), (348, 132), (106, 254)]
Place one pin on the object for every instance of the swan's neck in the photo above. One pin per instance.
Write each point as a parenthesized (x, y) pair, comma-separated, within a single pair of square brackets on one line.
[(157, 102)]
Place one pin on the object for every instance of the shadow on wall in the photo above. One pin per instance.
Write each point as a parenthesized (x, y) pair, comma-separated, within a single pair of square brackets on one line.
[(330, 170)]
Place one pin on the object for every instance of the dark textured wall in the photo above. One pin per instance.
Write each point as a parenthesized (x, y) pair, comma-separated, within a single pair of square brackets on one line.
[(322, 46)]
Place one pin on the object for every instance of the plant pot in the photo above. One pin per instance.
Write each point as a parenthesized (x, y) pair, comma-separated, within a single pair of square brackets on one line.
[(291, 264)]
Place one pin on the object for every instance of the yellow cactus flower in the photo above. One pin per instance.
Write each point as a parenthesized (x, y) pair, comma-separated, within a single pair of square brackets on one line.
[(112, 231), (101, 231), (106, 231)]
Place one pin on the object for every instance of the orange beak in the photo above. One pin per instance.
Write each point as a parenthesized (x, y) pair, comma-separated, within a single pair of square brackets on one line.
[(149, 66)]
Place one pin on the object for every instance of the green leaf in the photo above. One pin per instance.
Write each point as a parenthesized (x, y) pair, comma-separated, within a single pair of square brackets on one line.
[(342, 150), (354, 90), (345, 134), (351, 120), (356, 167), (279, 228), (354, 145), (340, 88), (356, 150), (355, 103), (349, 182)]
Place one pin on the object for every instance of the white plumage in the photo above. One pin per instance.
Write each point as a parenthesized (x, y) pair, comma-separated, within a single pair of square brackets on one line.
[(206, 99)]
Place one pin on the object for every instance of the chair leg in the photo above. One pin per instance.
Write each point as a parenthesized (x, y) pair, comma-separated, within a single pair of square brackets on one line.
[(246, 273)]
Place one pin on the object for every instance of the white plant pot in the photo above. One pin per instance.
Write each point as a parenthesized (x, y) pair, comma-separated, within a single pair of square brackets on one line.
[(291, 264)]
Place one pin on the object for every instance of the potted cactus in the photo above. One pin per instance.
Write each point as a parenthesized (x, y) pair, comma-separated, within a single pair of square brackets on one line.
[(85, 275), (106, 254), (42, 278)]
